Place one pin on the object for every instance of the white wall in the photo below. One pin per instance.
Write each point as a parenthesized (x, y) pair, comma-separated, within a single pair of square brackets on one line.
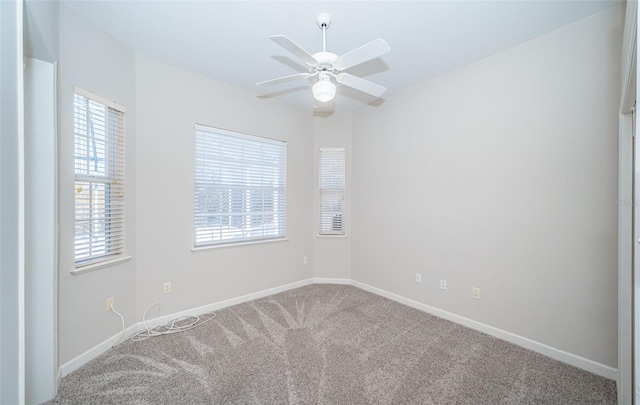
[(11, 217), (499, 175), (332, 254), (92, 60), (169, 102), (42, 30)]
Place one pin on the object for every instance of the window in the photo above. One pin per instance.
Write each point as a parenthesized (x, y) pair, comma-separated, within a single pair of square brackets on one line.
[(332, 169), (99, 178), (240, 187)]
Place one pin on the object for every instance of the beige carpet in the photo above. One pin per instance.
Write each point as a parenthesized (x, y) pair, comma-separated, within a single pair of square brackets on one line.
[(329, 344)]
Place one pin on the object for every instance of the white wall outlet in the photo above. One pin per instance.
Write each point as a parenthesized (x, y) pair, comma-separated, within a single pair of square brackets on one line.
[(305, 260), (418, 278), (475, 293), (443, 284), (166, 288), (110, 303)]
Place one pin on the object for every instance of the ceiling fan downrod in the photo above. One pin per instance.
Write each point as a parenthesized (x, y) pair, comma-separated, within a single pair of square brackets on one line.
[(324, 20)]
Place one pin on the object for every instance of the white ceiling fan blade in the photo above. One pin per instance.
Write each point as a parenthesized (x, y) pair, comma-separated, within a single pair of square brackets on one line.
[(361, 84), (284, 79), (366, 52), (294, 48)]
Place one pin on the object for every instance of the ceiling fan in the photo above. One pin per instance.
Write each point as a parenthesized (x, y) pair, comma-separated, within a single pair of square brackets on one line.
[(327, 65)]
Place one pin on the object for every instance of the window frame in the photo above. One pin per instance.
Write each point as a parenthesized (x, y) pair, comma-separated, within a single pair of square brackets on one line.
[(237, 218), (335, 191), (106, 221)]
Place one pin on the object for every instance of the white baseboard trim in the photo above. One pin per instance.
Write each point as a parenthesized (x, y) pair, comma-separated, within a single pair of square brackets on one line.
[(226, 303), (572, 359), (565, 357), (320, 280), (80, 360), (77, 362)]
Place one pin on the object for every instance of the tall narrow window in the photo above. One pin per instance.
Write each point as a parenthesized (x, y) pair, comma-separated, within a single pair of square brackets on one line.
[(99, 178), (240, 187), (332, 180)]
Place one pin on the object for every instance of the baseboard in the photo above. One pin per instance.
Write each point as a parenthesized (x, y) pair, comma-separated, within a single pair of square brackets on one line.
[(572, 359), (226, 303), (77, 362), (80, 360), (320, 280)]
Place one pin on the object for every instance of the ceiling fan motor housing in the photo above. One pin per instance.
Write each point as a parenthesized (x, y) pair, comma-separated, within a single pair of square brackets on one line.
[(325, 61)]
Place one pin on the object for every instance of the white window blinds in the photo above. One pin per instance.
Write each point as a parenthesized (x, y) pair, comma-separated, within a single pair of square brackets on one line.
[(332, 182), (240, 187), (99, 178)]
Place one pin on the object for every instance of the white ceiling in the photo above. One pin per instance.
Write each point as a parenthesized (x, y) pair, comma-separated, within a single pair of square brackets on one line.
[(228, 40)]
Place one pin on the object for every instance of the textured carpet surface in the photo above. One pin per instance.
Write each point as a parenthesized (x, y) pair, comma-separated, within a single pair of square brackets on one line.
[(329, 344)]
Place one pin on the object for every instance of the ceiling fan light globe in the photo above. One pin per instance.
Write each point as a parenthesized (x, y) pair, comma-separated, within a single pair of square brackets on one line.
[(324, 91)]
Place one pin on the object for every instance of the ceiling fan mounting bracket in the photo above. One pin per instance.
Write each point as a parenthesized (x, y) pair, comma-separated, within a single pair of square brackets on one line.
[(323, 20)]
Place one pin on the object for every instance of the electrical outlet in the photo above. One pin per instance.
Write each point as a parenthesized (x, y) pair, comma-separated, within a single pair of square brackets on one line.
[(166, 288), (443, 284), (418, 278), (475, 293), (305, 260), (110, 303)]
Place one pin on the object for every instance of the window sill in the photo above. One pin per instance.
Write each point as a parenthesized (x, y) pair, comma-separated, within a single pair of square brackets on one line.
[(332, 236), (100, 265), (252, 242)]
